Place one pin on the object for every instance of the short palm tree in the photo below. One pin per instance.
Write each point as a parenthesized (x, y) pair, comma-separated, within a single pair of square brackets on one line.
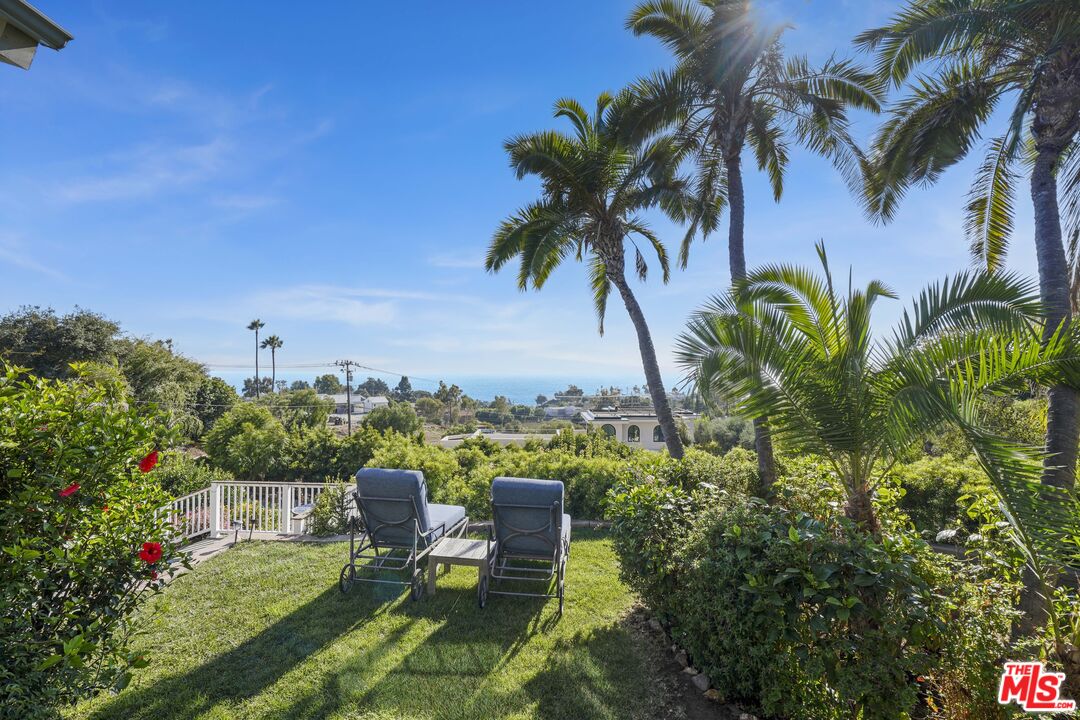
[(256, 325), (783, 342), (273, 343), (731, 88), (595, 189), (982, 54)]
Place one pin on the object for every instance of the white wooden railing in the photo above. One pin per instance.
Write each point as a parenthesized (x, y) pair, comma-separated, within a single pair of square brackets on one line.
[(263, 507), (191, 514)]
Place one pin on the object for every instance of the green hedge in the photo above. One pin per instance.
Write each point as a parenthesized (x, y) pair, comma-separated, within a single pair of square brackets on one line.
[(589, 468), (799, 615)]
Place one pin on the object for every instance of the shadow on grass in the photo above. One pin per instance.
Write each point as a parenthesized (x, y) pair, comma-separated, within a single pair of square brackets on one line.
[(440, 658), (255, 664), (469, 667)]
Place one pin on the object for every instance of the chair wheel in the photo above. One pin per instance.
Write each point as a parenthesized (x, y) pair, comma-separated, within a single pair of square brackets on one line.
[(416, 591), (482, 591), (345, 581)]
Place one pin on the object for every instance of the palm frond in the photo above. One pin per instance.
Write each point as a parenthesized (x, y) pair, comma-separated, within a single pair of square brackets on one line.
[(681, 26), (970, 302), (925, 30), (927, 131), (989, 210), (601, 289), (766, 138)]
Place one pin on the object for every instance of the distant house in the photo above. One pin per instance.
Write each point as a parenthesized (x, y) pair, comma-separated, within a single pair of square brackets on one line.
[(375, 401), (22, 28), (561, 412), (633, 427), (341, 404)]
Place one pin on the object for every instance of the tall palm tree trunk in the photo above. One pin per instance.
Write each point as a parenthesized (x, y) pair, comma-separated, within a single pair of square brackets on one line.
[(258, 382), (737, 264), (1062, 429), (1064, 404), (648, 361), (273, 369)]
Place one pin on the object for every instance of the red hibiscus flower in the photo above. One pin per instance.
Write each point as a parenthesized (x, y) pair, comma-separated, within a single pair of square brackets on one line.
[(153, 574), (150, 553), (149, 462), (70, 490)]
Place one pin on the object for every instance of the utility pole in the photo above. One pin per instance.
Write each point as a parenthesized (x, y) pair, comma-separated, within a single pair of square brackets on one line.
[(346, 366)]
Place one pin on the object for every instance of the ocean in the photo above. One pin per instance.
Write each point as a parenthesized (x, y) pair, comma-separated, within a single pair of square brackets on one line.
[(517, 389)]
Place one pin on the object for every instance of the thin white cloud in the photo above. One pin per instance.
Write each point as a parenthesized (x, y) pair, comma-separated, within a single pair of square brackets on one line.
[(12, 253), (324, 304), (148, 170), (244, 202)]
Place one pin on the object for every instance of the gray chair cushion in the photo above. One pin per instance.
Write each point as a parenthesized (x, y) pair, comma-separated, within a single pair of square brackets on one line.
[(443, 519), (398, 486), (541, 517), (402, 488)]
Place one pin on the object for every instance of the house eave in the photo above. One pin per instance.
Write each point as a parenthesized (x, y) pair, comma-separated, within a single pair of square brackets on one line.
[(34, 23)]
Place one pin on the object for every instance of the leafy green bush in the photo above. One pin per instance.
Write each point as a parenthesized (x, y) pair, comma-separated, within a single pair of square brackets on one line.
[(438, 464), (399, 417), (804, 616), (256, 453), (298, 409), (330, 514), (933, 488), (180, 474), (320, 455), (736, 471), (76, 514), (1022, 421), (719, 435), (231, 424)]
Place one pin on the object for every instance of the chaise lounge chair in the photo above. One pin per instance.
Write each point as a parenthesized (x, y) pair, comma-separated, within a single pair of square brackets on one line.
[(397, 528), (530, 536)]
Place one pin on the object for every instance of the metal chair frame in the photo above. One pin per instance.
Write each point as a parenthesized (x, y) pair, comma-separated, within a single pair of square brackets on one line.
[(501, 567), (381, 557)]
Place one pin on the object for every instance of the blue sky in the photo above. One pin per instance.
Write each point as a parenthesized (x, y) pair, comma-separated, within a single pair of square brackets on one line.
[(337, 171)]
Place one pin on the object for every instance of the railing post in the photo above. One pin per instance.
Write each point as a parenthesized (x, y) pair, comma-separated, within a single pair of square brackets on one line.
[(215, 509), (286, 508)]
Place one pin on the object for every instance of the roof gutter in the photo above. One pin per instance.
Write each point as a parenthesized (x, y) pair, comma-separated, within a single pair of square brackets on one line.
[(22, 28)]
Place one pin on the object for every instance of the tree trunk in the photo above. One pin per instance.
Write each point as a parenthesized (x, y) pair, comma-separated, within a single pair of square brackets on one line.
[(1069, 657), (257, 380), (273, 370), (736, 218), (737, 265), (648, 361), (1062, 430), (1059, 468), (860, 509)]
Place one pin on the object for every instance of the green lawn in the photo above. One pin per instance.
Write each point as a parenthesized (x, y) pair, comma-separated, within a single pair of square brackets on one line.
[(261, 631)]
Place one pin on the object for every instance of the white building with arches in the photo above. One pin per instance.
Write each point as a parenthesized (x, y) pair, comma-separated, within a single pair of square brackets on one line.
[(635, 427)]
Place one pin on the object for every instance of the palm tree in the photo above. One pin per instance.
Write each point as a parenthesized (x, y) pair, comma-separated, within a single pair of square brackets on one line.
[(594, 188), (783, 341), (256, 325), (1025, 53), (273, 342), (731, 88)]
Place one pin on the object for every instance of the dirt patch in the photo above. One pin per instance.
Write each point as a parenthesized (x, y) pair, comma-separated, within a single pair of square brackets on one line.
[(682, 699)]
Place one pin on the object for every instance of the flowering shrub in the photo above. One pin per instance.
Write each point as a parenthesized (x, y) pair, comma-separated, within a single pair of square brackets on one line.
[(82, 540)]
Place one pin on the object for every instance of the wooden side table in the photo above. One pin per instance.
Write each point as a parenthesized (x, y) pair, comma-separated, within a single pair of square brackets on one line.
[(458, 551)]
